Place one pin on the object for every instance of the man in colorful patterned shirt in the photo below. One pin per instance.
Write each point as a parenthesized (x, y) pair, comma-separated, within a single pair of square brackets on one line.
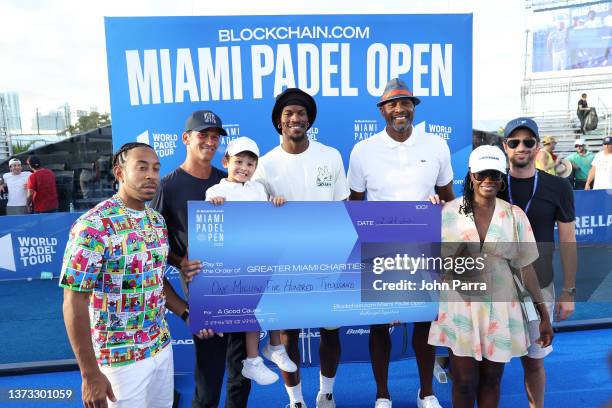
[(115, 293)]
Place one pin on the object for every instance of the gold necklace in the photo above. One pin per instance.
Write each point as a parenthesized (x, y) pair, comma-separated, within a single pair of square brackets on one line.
[(149, 236)]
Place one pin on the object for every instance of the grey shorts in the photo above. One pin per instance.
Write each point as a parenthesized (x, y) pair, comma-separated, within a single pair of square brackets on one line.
[(534, 350)]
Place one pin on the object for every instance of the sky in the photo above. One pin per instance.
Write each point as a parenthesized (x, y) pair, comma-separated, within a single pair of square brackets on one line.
[(53, 52)]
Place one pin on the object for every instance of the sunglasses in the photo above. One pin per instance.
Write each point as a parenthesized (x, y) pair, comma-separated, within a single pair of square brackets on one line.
[(492, 175), (528, 143)]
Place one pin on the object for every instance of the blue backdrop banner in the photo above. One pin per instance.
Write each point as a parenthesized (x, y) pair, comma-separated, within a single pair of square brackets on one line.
[(163, 68), (33, 244), (593, 216)]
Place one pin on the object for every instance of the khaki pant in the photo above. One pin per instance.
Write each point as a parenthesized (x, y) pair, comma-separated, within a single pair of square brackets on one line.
[(17, 210)]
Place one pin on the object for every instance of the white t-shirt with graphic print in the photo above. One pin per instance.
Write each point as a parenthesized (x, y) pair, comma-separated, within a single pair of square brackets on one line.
[(316, 174)]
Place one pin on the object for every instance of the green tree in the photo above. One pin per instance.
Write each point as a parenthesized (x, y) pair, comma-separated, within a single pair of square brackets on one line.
[(92, 121), (20, 147)]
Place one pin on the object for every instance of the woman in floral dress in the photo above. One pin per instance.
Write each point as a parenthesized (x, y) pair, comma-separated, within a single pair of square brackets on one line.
[(484, 334)]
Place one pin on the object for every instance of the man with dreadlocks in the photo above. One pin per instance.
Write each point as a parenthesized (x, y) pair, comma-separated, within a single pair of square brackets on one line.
[(120, 336)]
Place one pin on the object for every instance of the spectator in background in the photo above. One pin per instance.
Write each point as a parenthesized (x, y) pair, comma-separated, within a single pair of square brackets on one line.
[(42, 192), (583, 111), (601, 170), (581, 163), (607, 22), (557, 45), (577, 23), (15, 182), (545, 160), (608, 19), (592, 20), (87, 178)]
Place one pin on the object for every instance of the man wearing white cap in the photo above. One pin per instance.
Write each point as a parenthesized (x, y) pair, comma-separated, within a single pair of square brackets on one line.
[(581, 161), (240, 160), (15, 181), (401, 163)]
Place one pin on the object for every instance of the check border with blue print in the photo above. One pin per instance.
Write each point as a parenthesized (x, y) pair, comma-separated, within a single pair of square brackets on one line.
[(298, 265)]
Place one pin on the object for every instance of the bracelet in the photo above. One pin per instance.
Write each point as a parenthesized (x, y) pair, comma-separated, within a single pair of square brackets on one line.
[(185, 315)]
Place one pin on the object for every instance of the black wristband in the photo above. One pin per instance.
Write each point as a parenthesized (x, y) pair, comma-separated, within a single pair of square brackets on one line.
[(185, 315)]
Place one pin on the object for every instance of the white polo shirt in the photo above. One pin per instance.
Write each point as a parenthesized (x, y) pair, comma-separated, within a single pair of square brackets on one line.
[(392, 171), (17, 192), (231, 191), (316, 174), (603, 171)]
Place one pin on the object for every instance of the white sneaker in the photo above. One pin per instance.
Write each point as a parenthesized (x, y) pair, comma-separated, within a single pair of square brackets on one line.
[(296, 405), (382, 403), (429, 401), (280, 358), (325, 401), (257, 371)]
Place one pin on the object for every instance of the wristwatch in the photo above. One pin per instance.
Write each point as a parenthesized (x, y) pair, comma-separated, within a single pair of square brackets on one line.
[(185, 315), (571, 291)]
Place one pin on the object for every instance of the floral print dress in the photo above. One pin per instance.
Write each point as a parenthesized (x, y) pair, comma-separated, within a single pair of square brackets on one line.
[(489, 328)]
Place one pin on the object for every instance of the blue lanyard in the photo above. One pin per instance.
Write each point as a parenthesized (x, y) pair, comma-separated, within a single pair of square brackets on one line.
[(535, 186)]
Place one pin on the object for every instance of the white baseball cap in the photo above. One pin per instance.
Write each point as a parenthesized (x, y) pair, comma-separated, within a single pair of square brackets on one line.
[(14, 161), (242, 144), (487, 158), (579, 142)]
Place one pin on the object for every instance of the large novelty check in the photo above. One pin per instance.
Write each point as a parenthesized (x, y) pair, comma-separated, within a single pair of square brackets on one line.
[(298, 265)]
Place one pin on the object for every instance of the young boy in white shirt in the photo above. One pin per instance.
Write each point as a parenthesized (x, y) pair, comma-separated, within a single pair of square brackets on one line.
[(240, 160)]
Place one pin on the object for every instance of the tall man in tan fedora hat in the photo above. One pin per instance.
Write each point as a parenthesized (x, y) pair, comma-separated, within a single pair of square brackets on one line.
[(401, 163)]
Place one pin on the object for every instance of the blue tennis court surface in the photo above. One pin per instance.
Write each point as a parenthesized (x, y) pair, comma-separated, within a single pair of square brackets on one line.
[(578, 376)]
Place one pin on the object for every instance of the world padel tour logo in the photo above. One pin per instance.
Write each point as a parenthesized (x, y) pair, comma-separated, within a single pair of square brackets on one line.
[(31, 251), (443, 131), (164, 144)]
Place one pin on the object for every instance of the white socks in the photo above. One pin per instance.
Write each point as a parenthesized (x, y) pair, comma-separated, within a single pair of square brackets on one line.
[(326, 384), (276, 348), (295, 393), (326, 387)]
